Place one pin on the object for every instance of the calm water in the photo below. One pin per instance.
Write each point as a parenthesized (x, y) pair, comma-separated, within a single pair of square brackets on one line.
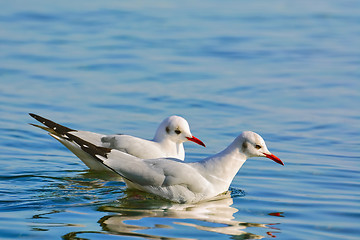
[(289, 71)]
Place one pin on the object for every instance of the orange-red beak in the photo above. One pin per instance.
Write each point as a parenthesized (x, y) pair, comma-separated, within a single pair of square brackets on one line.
[(274, 158), (196, 140)]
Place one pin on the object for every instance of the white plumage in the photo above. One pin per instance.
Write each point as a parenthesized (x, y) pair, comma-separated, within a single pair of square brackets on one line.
[(167, 142), (173, 179)]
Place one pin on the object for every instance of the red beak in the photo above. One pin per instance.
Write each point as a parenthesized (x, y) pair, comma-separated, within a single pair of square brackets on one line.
[(274, 158), (196, 140)]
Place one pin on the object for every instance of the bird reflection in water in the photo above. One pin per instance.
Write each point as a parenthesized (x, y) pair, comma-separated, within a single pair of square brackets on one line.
[(216, 216), (130, 214)]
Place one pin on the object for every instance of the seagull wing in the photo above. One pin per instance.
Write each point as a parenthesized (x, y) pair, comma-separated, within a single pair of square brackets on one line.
[(155, 173), (129, 167), (60, 130)]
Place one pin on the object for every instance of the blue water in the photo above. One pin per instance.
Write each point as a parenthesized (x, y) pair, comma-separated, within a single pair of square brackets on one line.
[(287, 70)]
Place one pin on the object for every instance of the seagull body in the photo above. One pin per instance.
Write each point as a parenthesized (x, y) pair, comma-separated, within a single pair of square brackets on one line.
[(173, 179), (168, 140)]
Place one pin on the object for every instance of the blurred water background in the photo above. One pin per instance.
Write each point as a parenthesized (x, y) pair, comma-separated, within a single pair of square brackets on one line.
[(289, 70)]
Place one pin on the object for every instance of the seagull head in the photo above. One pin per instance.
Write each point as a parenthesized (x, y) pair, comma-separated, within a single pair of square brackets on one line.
[(253, 145), (177, 130)]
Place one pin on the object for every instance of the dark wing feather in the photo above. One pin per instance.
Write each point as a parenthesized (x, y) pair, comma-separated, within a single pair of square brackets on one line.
[(59, 129)]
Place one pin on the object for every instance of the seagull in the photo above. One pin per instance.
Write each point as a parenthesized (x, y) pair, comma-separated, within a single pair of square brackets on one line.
[(167, 143), (175, 180)]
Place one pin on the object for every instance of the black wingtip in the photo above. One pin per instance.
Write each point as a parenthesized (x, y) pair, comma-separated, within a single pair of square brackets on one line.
[(88, 147), (60, 129), (34, 116)]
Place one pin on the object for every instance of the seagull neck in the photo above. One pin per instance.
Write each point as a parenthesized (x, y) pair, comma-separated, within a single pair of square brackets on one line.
[(166, 142), (160, 135), (224, 166), (174, 149), (163, 139)]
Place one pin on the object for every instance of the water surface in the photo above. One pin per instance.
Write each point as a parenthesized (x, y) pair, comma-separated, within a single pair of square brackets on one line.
[(289, 71)]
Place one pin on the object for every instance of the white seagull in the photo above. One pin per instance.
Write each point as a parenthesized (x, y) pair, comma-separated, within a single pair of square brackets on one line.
[(167, 143), (175, 180)]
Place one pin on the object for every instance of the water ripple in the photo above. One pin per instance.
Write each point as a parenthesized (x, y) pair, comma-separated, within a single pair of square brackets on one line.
[(290, 73)]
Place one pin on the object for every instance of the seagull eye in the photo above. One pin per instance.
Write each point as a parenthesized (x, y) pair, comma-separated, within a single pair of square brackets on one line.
[(257, 146), (177, 131)]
